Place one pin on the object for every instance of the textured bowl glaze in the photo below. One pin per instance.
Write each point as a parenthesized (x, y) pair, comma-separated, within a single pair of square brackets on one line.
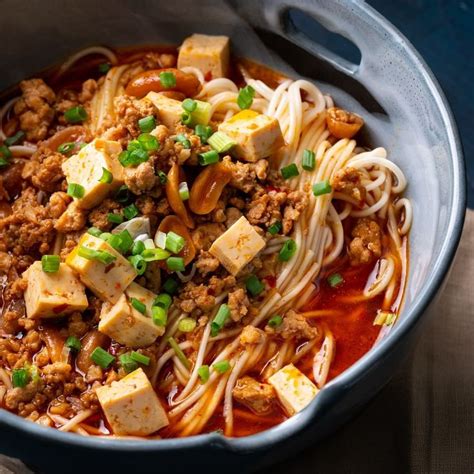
[(405, 111)]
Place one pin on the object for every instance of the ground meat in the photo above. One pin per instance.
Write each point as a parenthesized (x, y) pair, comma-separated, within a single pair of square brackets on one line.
[(140, 179), (129, 111), (73, 219), (5, 262), (296, 203), (348, 181), (294, 326), (66, 99), (44, 170), (89, 88), (11, 179), (98, 216), (238, 304), (251, 335), (367, 241), (206, 263), (232, 215), (194, 296), (258, 397), (35, 108), (153, 277), (205, 235), (264, 208), (58, 203), (15, 396), (245, 175)]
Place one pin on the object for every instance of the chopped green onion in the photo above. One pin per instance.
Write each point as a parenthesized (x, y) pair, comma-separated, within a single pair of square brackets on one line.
[(186, 118), (147, 124), (170, 286), (66, 148), (148, 142), (138, 156), (151, 255), (73, 343), (160, 239), (20, 378), (127, 241), (220, 142), (106, 177), (138, 263), (222, 366), (3, 162), (384, 318), (75, 114), (208, 157), (321, 188), (183, 191), (159, 315), (130, 211), (140, 358), (179, 353), (104, 68), (167, 79), (114, 241), (123, 194), (105, 236), (309, 160), (275, 321), (100, 255), (164, 300), (275, 228), (50, 263), (174, 242), (335, 280), (254, 285), (102, 358), (114, 218), (134, 145), (128, 364), (75, 190), (5, 152), (203, 132), (149, 244), (189, 105), (288, 250), (203, 373), (183, 140), (220, 319), (14, 139), (138, 247), (94, 231), (124, 158), (162, 176), (175, 264), (245, 97), (187, 325), (289, 171), (202, 113)]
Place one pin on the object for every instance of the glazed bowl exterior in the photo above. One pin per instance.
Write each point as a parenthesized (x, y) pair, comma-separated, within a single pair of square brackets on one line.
[(405, 111)]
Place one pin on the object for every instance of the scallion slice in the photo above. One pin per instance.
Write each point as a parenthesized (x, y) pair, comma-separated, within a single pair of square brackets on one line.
[(147, 124), (167, 79), (160, 239), (203, 132), (162, 177), (73, 343), (127, 241), (114, 218), (179, 353), (138, 247), (148, 142), (275, 321), (100, 255), (220, 319), (164, 300), (102, 358), (183, 191), (115, 241), (175, 264), (174, 242), (66, 148), (203, 373), (50, 263), (308, 162), (208, 157), (140, 358), (15, 139), (138, 305), (287, 251), (170, 286), (5, 152), (335, 280), (323, 187), (130, 212), (94, 231), (275, 228), (222, 366), (245, 97), (128, 364), (138, 263), (289, 171), (181, 138), (75, 114), (254, 285), (149, 244), (152, 255), (189, 105), (187, 325), (159, 315), (20, 378), (106, 177), (123, 194), (202, 113), (75, 190), (220, 142)]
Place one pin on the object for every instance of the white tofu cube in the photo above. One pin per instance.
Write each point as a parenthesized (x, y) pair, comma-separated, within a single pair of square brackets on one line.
[(209, 54), (256, 135), (237, 246), (169, 110), (108, 282), (86, 168), (294, 389), (123, 323), (50, 295), (132, 406)]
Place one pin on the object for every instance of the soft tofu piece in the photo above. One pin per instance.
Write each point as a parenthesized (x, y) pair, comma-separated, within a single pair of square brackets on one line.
[(209, 54), (237, 246), (50, 295), (85, 168), (294, 389), (169, 110), (123, 323), (108, 282), (256, 135), (132, 406)]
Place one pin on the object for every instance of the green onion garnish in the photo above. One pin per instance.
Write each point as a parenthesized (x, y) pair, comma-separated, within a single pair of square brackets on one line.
[(183, 191), (75, 190), (162, 176), (104, 68), (50, 263), (183, 140), (147, 124), (335, 280), (175, 264), (138, 247), (66, 148), (105, 236), (138, 263), (220, 142), (288, 250), (245, 97), (187, 325), (186, 118), (220, 319), (3, 162), (208, 157), (159, 315), (148, 142), (140, 358), (275, 228), (20, 378), (14, 139), (167, 79), (114, 241), (106, 177), (289, 171), (189, 105), (127, 241), (170, 286), (138, 156), (5, 152), (222, 366), (102, 358), (94, 231), (152, 255), (179, 353), (123, 194), (321, 188), (164, 300), (100, 255), (114, 218), (73, 343), (308, 162), (128, 364), (130, 212), (75, 114), (275, 321), (204, 373), (254, 285), (138, 305), (174, 242), (203, 132)]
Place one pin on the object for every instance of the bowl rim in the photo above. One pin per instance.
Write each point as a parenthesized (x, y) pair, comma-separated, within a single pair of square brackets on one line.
[(336, 388)]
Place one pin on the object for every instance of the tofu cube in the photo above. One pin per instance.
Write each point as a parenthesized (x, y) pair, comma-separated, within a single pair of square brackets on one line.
[(50, 295), (169, 110), (108, 282), (237, 246), (209, 54), (132, 406), (123, 323), (294, 389), (256, 135), (86, 168)]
